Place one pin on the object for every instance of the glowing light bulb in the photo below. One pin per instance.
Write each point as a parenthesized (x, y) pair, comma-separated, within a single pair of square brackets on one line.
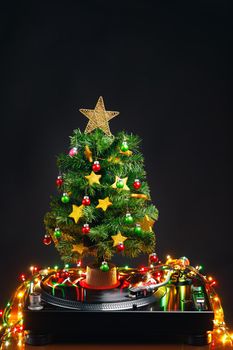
[(20, 343), (224, 338), (20, 295), (126, 267)]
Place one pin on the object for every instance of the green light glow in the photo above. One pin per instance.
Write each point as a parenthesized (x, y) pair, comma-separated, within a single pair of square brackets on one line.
[(67, 266), (182, 297)]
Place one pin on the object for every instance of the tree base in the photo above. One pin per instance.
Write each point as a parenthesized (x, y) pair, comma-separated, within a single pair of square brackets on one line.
[(96, 278)]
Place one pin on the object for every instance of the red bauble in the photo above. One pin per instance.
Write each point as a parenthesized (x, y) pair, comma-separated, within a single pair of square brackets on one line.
[(96, 166), (154, 258), (59, 181), (86, 228), (47, 240), (86, 200), (120, 247), (137, 184)]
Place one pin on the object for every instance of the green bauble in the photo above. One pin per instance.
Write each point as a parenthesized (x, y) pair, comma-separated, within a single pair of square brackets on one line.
[(128, 219), (57, 232), (104, 267), (124, 146), (120, 184), (138, 229), (65, 198)]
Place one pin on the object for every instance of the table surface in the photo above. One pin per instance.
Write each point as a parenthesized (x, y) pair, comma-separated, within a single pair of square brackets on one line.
[(119, 347)]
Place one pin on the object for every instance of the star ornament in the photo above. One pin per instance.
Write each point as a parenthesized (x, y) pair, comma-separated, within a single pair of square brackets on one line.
[(76, 213), (98, 117), (125, 179), (104, 203), (117, 239), (147, 223), (126, 153), (93, 178), (78, 248)]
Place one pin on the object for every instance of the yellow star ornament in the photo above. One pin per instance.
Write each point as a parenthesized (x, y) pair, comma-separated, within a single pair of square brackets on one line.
[(98, 117), (123, 185), (126, 153), (76, 213), (104, 203), (147, 223), (118, 239), (93, 178), (78, 248)]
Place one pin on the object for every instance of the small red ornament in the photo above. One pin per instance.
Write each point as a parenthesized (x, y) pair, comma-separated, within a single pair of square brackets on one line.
[(59, 181), (96, 166), (154, 258), (86, 200), (22, 277), (137, 184), (86, 228), (120, 247), (47, 240)]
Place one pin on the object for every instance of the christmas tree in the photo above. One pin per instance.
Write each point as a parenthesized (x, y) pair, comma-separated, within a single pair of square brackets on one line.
[(103, 207), (103, 204)]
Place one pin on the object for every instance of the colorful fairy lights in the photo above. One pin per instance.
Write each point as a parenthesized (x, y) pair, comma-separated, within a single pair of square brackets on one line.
[(12, 327)]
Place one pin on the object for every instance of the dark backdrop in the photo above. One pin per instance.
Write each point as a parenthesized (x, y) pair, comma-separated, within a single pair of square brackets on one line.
[(167, 67)]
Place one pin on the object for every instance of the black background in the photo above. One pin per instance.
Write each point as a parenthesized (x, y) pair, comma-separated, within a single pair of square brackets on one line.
[(167, 67)]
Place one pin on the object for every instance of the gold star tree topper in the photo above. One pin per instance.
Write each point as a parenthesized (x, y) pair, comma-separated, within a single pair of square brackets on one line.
[(104, 203), (99, 117), (117, 239), (76, 213), (93, 178)]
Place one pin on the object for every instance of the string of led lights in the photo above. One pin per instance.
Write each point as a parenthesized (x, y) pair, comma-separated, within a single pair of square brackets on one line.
[(12, 328)]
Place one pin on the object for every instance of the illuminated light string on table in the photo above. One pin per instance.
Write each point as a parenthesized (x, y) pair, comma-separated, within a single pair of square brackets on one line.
[(12, 328)]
